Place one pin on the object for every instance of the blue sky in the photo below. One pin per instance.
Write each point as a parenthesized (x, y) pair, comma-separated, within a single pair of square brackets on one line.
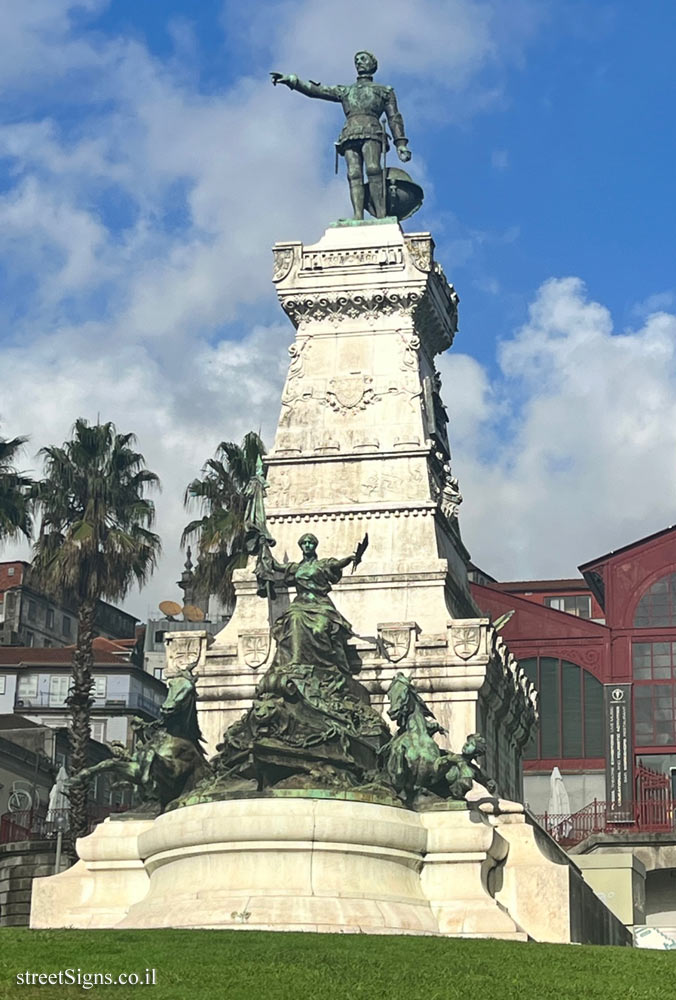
[(146, 166)]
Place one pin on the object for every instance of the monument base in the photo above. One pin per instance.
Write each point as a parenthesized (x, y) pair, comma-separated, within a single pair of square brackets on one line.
[(310, 863)]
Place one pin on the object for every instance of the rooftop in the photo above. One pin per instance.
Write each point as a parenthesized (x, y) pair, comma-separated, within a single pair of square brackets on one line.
[(531, 586), (106, 652)]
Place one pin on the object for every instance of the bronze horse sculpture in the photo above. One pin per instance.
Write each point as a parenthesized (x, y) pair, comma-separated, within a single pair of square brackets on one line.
[(414, 763), (168, 759)]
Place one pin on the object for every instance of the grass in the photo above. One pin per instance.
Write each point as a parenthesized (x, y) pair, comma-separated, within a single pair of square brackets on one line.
[(248, 965)]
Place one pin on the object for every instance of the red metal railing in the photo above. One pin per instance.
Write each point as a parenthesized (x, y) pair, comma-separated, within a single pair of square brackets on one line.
[(41, 824), (648, 816)]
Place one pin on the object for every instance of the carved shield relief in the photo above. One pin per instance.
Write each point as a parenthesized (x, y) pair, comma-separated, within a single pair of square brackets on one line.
[(182, 652), (255, 647), (466, 640), (396, 639), (283, 258), (349, 392), (397, 643)]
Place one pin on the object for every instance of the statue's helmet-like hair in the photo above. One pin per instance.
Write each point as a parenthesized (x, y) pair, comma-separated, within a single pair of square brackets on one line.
[(308, 534), (372, 59)]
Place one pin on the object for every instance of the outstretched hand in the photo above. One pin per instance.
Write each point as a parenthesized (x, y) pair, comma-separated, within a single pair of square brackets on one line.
[(279, 78), (404, 153)]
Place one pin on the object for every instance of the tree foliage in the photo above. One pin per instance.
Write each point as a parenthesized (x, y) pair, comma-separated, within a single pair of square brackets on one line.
[(95, 540), (15, 487), (219, 533)]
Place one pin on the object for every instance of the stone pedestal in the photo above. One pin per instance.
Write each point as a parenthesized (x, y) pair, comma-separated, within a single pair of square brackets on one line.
[(307, 862), (294, 863), (97, 891), (286, 862), (362, 446), (463, 850), (618, 880)]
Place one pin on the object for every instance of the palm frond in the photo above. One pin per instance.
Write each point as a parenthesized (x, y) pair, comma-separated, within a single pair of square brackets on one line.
[(219, 497), (15, 492)]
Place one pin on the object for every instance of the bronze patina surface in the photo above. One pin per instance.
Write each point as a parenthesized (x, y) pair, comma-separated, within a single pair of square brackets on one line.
[(364, 140)]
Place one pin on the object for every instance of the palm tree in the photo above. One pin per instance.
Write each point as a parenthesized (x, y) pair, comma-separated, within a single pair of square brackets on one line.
[(219, 533), (94, 542), (15, 503)]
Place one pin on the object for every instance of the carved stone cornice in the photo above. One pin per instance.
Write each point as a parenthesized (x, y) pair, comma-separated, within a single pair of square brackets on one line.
[(368, 304), (350, 513), (330, 286), (432, 310)]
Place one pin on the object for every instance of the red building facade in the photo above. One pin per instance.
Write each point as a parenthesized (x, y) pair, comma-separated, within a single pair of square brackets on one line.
[(601, 649)]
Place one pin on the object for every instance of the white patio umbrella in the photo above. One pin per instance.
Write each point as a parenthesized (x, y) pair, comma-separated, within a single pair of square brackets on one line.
[(58, 800), (559, 804)]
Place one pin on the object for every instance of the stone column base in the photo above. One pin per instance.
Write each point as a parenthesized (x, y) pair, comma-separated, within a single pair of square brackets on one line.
[(303, 864)]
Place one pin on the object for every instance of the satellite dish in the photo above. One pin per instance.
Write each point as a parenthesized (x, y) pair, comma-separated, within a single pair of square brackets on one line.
[(192, 613), (170, 608)]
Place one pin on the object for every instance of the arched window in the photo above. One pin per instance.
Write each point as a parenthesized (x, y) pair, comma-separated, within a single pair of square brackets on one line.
[(657, 607), (571, 710)]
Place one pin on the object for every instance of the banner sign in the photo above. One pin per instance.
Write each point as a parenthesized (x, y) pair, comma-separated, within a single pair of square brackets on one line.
[(619, 753)]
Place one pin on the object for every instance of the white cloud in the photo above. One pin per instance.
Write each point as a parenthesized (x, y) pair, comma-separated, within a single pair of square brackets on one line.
[(573, 451), (138, 212), (500, 159)]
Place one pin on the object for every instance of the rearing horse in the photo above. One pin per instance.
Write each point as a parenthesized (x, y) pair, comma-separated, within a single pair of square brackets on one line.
[(168, 759), (413, 758)]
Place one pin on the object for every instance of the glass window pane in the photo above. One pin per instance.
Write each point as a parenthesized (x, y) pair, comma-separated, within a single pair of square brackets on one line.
[(530, 667), (658, 605), (643, 706), (593, 717), (550, 732), (571, 709), (583, 605)]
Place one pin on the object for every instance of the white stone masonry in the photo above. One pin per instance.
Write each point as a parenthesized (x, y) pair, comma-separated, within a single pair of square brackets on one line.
[(362, 446)]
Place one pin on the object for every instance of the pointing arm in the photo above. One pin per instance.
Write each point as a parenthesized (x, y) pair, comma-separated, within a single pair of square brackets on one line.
[(308, 87)]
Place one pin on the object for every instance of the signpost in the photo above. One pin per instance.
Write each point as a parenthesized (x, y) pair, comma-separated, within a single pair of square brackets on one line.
[(619, 753)]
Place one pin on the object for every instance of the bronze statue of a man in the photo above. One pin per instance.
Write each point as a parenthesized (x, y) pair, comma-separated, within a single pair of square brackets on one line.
[(363, 138)]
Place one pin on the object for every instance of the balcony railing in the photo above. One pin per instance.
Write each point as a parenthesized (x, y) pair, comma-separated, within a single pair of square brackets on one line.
[(43, 824), (129, 702), (645, 816)]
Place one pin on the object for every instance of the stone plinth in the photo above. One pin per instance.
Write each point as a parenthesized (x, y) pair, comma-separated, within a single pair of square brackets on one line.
[(293, 863), (619, 880), (99, 889), (362, 446), (307, 862), (286, 862)]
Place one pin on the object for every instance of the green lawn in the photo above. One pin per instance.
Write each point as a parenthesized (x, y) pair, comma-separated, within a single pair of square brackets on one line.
[(247, 965)]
